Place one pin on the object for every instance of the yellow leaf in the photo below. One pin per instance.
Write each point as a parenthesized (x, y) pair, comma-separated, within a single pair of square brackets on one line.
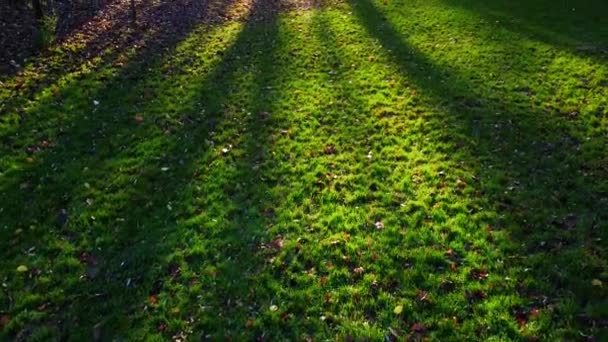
[(398, 309), (22, 269), (596, 282)]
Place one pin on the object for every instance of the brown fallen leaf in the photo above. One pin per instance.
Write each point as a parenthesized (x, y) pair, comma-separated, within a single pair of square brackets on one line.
[(418, 328), (4, 321), (422, 295), (475, 295), (461, 184), (55, 90), (522, 318), (450, 254), (329, 149), (278, 242), (478, 274), (174, 270), (535, 312), (268, 212)]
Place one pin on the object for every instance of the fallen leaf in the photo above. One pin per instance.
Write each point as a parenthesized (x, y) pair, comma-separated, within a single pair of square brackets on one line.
[(327, 297), (4, 321), (450, 254), (522, 318), (478, 274), (249, 323), (278, 242), (274, 308), (268, 212), (379, 225), (329, 149), (597, 282), (461, 184), (535, 312), (359, 270), (174, 270), (418, 327), (323, 281), (139, 118), (22, 269), (422, 295), (398, 309), (475, 295), (153, 300)]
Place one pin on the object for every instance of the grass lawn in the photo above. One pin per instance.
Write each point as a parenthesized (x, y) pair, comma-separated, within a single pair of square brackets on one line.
[(382, 170)]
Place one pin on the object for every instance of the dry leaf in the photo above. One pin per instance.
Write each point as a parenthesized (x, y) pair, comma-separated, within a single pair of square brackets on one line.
[(4, 321)]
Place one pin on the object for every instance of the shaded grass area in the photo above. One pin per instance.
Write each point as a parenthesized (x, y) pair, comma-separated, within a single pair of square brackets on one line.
[(372, 170)]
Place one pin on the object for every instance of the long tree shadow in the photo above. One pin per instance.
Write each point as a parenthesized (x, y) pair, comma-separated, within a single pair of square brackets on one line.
[(108, 41), (551, 202), (145, 178), (577, 26)]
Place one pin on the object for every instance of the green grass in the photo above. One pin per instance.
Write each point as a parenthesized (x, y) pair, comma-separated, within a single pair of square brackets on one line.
[(302, 176)]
